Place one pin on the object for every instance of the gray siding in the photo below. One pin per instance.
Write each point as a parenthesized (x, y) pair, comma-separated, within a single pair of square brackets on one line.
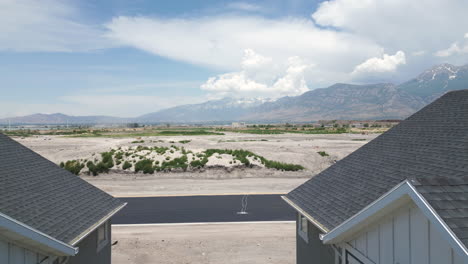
[(313, 251), (405, 236), (11, 253), (88, 253)]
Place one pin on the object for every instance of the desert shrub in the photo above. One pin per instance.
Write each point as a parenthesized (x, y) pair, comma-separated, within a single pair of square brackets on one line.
[(140, 148), (118, 155), (73, 166), (323, 153), (137, 141), (102, 167), (160, 150), (92, 168), (282, 166), (126, 165), (62, 164), (176, 163), (185, 141), (146, 166), (107, 159), (199, 163), (168, 158)]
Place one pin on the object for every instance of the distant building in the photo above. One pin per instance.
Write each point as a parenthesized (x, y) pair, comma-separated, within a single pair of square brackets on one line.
[(401, 198), (238, 124), (49, 215)]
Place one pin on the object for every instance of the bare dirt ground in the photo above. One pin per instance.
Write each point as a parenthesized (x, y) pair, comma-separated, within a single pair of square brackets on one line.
[(291, 148), (228, 243), (240, 243)]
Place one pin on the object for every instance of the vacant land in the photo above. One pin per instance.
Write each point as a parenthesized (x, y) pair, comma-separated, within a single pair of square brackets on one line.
[(311, 151), (239, 243), (229, 243)]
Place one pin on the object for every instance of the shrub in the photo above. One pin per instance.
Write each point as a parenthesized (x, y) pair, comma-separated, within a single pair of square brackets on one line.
[(73, 166), (146, 166), (126, 165), (185, 141), (107, 159), (92, 168), (323, 153)]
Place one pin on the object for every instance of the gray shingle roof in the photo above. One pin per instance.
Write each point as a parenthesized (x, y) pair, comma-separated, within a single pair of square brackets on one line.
[(431, 143), (449, 197), (40, 194)]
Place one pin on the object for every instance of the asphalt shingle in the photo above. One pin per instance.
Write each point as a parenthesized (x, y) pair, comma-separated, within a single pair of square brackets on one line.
[(430, 146), (38, 193)]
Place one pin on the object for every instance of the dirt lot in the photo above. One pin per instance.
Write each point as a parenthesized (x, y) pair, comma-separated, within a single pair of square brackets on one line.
[(228, 243), (246, 243), (292, 148)]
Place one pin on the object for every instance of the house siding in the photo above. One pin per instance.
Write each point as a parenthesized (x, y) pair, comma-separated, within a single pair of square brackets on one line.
[(88, 250), (405, 236), (313, 251), (11, 253)]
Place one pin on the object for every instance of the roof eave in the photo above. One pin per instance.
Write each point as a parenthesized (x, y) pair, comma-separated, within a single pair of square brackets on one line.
[(304, 213), (27, 233), (88, 231), (390, 200)]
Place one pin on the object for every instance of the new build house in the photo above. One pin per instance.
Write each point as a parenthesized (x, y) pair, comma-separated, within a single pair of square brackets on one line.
[(47, 214), (401, 198)]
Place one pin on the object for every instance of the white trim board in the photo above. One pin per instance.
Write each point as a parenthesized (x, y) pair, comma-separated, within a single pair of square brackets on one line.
[(304, 213), (391, 200), (96, 225), (35, 235)]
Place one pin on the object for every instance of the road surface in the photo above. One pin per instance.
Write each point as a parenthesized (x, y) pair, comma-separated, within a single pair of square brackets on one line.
[(195, 209)]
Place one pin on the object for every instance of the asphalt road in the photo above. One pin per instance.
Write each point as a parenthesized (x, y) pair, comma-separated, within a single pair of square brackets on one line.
[(194, 209)]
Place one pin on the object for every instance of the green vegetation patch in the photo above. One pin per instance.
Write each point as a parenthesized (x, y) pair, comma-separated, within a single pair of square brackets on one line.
[(73, 166), (323, 153)]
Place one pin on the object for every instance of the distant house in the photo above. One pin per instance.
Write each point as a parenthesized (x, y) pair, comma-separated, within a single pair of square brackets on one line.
[(401, 198), (238, 124), (48, 215)]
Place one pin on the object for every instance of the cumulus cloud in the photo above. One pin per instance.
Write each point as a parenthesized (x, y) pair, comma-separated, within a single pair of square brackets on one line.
[(46, 25), (398, 24), (386, 64), (454, 49), (260, 77), (219, 41)]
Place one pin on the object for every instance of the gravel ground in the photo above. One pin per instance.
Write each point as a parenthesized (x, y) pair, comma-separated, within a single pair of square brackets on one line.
[(239, 243)]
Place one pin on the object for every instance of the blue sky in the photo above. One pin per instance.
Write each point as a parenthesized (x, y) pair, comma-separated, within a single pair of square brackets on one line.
[(127, 58)]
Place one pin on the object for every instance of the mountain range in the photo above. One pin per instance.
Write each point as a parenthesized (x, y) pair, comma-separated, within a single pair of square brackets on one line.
[(339, 101)]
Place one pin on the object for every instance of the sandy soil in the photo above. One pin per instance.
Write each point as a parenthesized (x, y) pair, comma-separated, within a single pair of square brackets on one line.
[(248, 243), (292, 148)]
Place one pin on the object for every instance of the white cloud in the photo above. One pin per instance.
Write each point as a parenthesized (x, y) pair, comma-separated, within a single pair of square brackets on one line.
[(219, 41), (454, 49), (46, 25), (386, 64), (244, 6), (260, 77), (398, 24)]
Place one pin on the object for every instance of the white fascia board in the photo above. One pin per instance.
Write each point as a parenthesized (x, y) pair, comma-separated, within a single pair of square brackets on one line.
[(83, 235), (304, 213), (35, 235), (386, 203)]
